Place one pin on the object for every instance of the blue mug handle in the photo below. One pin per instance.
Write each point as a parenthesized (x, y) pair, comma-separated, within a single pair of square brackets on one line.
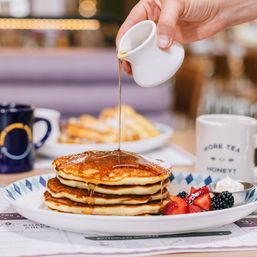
[(40, 143)]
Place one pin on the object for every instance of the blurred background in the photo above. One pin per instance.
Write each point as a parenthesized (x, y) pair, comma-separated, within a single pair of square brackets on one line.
[(60, 54)]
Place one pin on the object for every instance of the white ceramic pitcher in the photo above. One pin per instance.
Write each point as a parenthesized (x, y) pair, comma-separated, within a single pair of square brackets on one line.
[(151, 66)]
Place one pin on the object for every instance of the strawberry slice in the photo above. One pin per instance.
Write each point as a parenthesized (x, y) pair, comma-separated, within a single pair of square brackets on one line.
[(170, 208), (196, 193), (181, 202), (203, 201), (203, 190), (193, 208), (192, 190), (176, 205)]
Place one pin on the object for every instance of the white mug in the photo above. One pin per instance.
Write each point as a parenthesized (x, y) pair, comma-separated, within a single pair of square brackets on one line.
[(225, 145), (53, 116), (151, 66)]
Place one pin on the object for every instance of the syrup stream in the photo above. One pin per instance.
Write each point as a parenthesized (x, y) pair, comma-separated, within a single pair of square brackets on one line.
[(120, 87)]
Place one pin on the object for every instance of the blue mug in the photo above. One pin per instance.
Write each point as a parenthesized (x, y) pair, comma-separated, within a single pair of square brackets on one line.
[(17, 150)]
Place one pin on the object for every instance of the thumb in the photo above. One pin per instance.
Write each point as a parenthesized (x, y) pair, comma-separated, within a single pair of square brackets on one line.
[(170, 12)]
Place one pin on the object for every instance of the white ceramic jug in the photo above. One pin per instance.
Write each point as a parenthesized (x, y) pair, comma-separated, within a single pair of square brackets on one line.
[(151, 66)]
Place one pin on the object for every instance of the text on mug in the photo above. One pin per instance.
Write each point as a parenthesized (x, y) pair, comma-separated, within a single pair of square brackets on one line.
[(228, 147)]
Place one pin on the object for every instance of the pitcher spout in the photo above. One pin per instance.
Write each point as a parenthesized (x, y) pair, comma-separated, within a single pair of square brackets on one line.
[(122, 55)]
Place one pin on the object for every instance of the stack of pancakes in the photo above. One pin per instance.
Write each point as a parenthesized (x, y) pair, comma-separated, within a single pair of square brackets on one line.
[(107, 183)]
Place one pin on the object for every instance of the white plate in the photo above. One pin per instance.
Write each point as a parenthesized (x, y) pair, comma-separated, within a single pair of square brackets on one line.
[(57, 149), (26, 197)]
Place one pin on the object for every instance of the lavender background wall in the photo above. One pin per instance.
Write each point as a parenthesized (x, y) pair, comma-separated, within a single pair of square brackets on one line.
[(75, 81)]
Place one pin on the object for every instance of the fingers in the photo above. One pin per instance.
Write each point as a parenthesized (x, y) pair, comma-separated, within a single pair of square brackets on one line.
[(137, 14), (170, 12), (153, 11)]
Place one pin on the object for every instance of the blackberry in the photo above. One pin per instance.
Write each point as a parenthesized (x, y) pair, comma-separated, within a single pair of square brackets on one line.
[(222, 201), (182, 194)]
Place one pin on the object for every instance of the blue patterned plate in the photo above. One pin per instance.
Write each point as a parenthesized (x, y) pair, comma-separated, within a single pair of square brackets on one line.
[(26, 197)]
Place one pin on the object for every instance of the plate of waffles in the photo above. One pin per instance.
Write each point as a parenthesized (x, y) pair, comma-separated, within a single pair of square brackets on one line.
[(116, 193), (138, 134)]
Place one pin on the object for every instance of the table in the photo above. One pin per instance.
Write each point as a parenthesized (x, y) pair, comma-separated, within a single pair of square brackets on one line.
[(184, 139)]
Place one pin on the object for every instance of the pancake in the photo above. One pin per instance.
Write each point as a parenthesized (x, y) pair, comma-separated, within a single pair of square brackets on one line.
[(58, 190), (117, 190), (110, 168), (66, 205)]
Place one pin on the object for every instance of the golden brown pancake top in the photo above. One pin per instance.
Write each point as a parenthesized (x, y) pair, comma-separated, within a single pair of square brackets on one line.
[(109, 166)]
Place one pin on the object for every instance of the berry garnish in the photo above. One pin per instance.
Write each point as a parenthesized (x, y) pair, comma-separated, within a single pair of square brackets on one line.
[(197, 201), (203, 201), (170, 208), (222, 201), (176, 205), (196, 193), (193, 208), (192, 190), (182, 194)]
